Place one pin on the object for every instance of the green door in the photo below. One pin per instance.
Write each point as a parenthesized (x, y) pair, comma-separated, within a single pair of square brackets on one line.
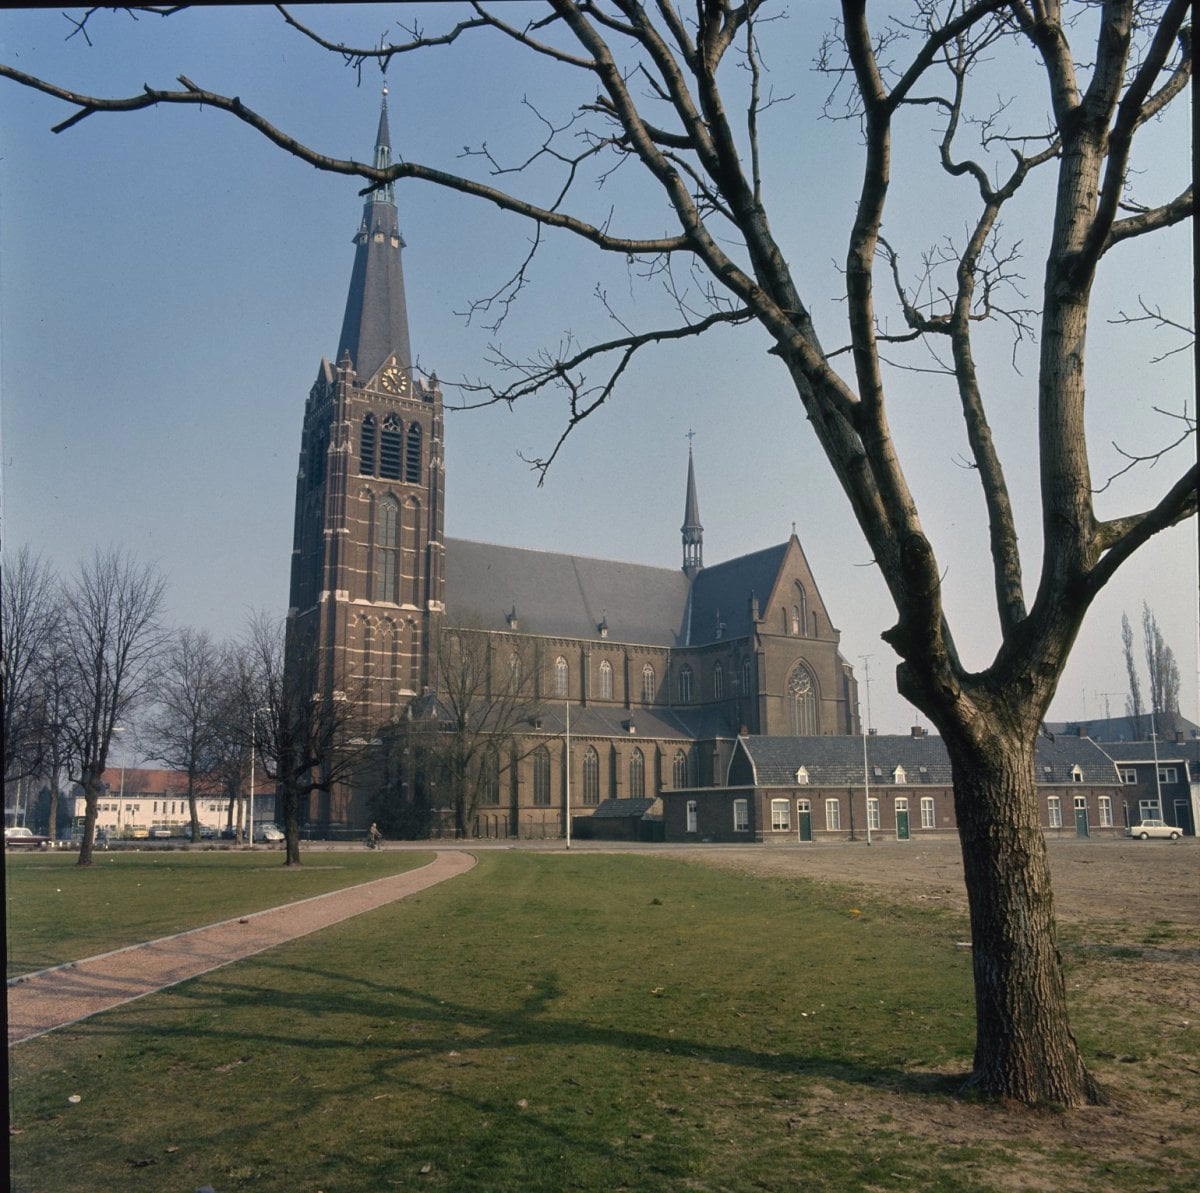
[(804, 819), (902, 820), (1081, 817)]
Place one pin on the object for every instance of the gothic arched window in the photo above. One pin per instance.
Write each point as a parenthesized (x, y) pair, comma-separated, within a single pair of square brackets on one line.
[(591, 777), (637, 775), (747, 675), (679, 771), (647, 684), (387, 550), (796, 622), (800, 611), (489, 787), (390, 449), (685, 684), (368, 649), (802, 701), (541, 777), (412, 455), (561, 677), (718, 682), (367, 443), (606, 680)]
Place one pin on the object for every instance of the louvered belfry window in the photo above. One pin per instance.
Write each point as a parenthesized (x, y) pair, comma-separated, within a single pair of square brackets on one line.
[(412, 457), (390, 448), (367, 444)]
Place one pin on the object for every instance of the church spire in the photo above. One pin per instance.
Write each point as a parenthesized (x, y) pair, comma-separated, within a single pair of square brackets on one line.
[(376, 321), (693, 532)]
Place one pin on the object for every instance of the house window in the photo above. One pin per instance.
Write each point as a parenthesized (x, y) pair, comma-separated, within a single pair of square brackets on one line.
[(606, 680), (647, 684), (591, 777), (560, 677), (899, 776), (802, 775), (873, 813), (928, 815), (1148, 809), (685, 684), (1081, 803), (1128, 775), (741, 815), (802, 701), (1168, 774), (387, 550), (781, 815), (367, 443), (390, 449), (541, 777), (637, 775), (679, 775), (1054, 807), (746, 666), (1106, 811), (833, 815), (691, 816), (412, 455), (718, 682)]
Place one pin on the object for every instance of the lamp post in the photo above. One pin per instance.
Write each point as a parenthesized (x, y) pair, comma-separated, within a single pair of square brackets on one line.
[(568, 767), (121, 797), (253, 750), (866, 662)]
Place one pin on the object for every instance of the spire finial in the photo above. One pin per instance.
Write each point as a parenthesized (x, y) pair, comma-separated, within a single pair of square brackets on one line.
[(693, 532)]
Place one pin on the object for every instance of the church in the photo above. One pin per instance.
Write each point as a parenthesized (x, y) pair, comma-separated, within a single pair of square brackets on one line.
[(659, 669)]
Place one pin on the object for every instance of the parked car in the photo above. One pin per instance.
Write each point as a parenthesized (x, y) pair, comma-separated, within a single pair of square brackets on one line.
[(160, 832), (269, 832), (207, 832), (20, 837), (137, 832), (1153, 828)]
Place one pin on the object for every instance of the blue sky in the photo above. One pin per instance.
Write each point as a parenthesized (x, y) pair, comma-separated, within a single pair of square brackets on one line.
[(170, 282)]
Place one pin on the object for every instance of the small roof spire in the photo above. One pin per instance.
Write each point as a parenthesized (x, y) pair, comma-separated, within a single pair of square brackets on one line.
[(693, 532)]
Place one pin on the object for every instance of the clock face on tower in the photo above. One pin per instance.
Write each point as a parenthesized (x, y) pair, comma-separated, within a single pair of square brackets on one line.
[(392, 379)]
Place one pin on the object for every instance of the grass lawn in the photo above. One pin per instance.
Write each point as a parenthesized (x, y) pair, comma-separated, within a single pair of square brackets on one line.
[(58, 912), (592, 1022)]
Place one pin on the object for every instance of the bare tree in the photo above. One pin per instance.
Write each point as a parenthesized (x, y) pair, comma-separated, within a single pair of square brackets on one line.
[(1163, 673), (468, 733), (30, 611), (111, 638), (1133, 702), (307, 737), (183, 730), (661, 97)]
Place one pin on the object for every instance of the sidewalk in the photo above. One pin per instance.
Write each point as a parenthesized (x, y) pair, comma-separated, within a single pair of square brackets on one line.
[(53, 998)]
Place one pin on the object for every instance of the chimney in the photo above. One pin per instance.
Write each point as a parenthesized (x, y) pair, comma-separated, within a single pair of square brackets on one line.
[(872, 732), (1081, 731), (918, 731)]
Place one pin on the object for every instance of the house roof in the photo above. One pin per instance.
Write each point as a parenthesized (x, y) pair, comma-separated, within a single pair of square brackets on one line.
[(1124, 729), (613, 809), (838, 761), (141, 781), (1147, 751)]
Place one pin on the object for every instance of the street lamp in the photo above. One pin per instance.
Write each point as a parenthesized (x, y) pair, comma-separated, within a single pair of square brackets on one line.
[(866, 662), (121, 798)]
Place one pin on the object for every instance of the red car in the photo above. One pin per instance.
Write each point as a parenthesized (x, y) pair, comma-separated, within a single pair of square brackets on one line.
[(18, 836)]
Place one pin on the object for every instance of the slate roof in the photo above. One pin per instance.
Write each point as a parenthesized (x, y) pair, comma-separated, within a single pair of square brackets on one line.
[(609, 721), (1120, 729), (838, 761), (613, 809), (1144, 751), (725, 588), (376, 320), (563, 595)]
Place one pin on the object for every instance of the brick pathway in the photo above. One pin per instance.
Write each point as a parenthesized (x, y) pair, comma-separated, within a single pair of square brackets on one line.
[(52, 998)]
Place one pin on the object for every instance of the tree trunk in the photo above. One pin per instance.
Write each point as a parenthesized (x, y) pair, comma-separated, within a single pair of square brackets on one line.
[(192, 808), (291, 829), (91, 796), (52, 833), (1024, 1047)]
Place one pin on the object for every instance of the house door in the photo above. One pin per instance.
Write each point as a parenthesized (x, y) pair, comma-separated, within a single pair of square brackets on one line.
[(804, 819), (1182, 819), (902, 833), (691, 816), (1081, 817)]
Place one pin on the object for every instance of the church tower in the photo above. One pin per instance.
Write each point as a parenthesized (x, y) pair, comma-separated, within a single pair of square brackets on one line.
[(692, 531), (367, 558)]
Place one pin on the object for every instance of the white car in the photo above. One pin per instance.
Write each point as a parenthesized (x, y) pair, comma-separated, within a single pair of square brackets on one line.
[(1153, 828), (269, 832)]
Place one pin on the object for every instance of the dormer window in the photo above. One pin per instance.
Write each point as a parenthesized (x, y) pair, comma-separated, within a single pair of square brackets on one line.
[(511, 618), (802, 775), (877, 772), (1076, 774), (602, 627), (899, 775)]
